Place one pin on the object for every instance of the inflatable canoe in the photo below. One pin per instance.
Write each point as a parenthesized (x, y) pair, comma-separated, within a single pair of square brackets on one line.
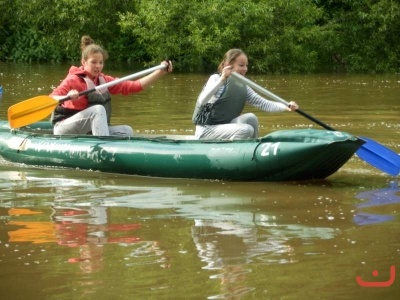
[(299, 154)]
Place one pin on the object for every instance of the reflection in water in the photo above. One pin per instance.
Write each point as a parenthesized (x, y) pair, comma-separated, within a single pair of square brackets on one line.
[(36, 232), (230, 247), (377, 198), (233, 229), (222, 231), (88, 229), (78, 226), (224, 246)]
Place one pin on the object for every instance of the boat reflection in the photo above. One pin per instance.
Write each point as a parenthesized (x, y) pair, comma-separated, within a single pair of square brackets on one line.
[(376, 199), (233, 225)]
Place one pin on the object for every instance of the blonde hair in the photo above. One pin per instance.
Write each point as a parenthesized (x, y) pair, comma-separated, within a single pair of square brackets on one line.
[(230, 57), (89, 48)]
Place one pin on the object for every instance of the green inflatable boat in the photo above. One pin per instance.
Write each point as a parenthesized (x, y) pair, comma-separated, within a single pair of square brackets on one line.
[(299, 154)]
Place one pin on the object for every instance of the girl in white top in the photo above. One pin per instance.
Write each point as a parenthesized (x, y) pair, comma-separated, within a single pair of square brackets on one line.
[(217, 114)]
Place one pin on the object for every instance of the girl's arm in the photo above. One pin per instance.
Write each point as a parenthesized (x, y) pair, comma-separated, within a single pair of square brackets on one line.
[(266, 105), (209, 91), (131, 87), (213, 89), (149, 79)]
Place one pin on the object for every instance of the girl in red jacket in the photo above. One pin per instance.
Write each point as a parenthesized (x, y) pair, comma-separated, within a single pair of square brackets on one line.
[(91, 113)]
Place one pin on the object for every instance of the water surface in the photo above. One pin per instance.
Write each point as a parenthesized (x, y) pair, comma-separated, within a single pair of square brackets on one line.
[(72, 234)]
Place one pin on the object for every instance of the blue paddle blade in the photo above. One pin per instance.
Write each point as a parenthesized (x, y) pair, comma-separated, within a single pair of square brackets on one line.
[(379, 156)]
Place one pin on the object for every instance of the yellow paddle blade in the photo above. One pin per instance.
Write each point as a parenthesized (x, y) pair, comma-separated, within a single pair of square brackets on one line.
[(30, 111)]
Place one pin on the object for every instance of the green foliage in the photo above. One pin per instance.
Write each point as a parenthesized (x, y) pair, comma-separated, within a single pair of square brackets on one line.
[(47, 30), (366, 34), (279, 36)]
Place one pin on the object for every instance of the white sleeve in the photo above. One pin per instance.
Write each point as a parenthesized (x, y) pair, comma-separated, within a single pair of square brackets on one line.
[(210, 92), (256, 100)]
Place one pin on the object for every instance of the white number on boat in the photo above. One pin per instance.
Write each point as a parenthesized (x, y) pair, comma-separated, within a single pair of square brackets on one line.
[(270, 149)]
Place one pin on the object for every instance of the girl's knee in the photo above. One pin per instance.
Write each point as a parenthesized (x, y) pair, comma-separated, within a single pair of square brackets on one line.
[(128, 130), (251, 118), (121, 130), (249, 130), (245, 132), (99, 109)]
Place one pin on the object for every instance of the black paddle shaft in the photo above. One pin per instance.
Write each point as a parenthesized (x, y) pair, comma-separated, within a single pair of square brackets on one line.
[(80, 94), (315, 120), (279, 99)]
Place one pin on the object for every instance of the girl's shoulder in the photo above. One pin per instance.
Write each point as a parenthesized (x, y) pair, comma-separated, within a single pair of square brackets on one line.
[(215, 75), (213, 78)]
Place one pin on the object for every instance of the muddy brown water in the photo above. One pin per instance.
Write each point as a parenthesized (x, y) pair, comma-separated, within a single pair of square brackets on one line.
[(72, 234)]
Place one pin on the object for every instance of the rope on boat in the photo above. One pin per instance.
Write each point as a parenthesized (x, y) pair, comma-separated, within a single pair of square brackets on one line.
[(23, 143), (255, 150)]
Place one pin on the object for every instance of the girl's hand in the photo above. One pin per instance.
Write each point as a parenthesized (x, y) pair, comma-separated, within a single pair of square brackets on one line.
[(292, 106), (73, 94), (226, 72), (167, 63)]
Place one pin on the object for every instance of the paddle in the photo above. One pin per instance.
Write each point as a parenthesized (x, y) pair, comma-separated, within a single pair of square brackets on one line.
[(38, 108), (371, 152)]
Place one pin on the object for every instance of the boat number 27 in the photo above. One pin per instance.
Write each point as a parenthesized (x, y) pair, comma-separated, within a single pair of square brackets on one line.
[(269, 149)]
